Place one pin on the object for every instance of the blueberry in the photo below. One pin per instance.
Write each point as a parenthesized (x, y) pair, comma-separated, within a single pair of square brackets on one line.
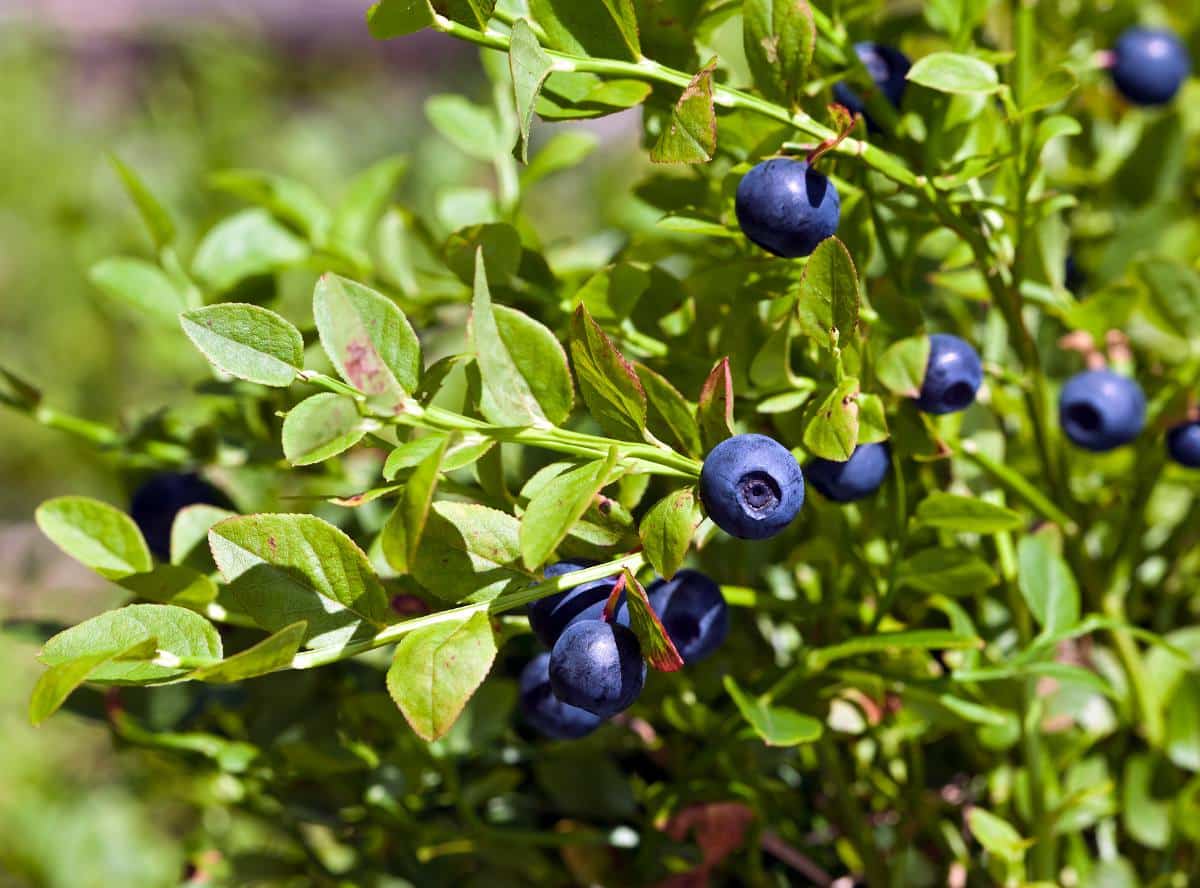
[(156, 503), (597, 666), (857, 477), (545, 711), (1149, 65), (549, 616), (952, 376), (786, 207), (1100, 410), (1183, 444), (751, 486), (1073, 276), (887, 66), (693, 611)]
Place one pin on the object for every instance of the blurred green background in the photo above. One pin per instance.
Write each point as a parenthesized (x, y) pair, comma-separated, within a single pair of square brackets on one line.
[(300, 91)]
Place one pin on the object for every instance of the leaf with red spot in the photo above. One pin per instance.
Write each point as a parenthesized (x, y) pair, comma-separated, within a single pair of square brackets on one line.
[(715, 409), (657, 647)]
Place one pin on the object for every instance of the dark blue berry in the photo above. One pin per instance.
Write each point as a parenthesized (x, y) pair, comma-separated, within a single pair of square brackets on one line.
[(549, 616), (597, 666), (543, 710), (857, 477), (1183, 444), (156, 503), (1149, 65), (786, 207), (751, 486), (1073, 276), (1100, 410), (887, 66), (952, 376), (693, 611)]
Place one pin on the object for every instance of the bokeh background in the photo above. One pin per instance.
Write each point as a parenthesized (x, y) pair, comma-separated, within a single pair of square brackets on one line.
[(177, 89)]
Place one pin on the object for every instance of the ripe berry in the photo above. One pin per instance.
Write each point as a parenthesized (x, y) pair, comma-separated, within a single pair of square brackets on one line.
[(887, 66), (546, 712), (1100, 410), (156, 503), (952, 376), (857, 477), (1183, 444), (549, 616), (1149, 65), (786, 207), (693, 611), (751, 486), (597, 666)]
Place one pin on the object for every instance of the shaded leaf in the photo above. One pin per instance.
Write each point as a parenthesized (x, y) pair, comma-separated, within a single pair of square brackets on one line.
[(832, 432), (1046, 582), (827, 300), (320, 427), (609, 384), (272, 653), (529, 66), (714, 412), (778, 37), (902, 366), (555, 509), (948, 511), (666, 530), (669, 417), (394, 18), (402, 533), (469, 551)]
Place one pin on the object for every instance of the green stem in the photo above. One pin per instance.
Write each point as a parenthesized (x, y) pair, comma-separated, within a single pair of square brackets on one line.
[(855, 825)]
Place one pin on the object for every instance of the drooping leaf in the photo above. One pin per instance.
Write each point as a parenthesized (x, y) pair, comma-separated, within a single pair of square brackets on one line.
[(320, 427), (273, 652), (140, 286), (96, 535), (832, 432), (948, 511), (522, 365), (469, 552), (656, 644), (529, 66), (368, 339), (244, 245), (175, 630), (247, 341), (1046, 582), (774, 725), (951, 72), (827, 300), (690, 136), (285, 568), (779, 37), (714, 412), (609, 384), (666, 530), (902, 366), (437, 669), (555, 509)]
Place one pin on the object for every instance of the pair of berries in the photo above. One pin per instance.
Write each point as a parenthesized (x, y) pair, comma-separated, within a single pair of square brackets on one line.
[(1100, 410), (595, 667)]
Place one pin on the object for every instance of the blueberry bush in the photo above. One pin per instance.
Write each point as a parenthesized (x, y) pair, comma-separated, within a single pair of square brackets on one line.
[(498, 565)]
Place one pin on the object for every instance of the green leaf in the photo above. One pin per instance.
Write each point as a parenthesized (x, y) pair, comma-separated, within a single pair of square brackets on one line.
[(827, 300), (176, 630), (402, 533), (247, 341), (555, 509), (914, 639), (522, 365), (172, 584), (690, 136), (611, 294), (1183, 724), (189, 531), (952, 572), (669, 416), (714, 412), (57, 683), (872, 420), (576, 96), (272, 653), (469, 127), (1056, 86), (951, 72), (139, 285), (469, 551), (948, 511), (394, 18), (155, 216), (1046, 582), (774, 725), (656, 644), (902, 367), (96, 535), (667, 528), (563, 151), (246, 244), (609, 384), (529, 66), (1147, 819), (289, 200), (437, 669), (997, 835), (368, 339), (600, 30), (364, 203), (778, 37), (320, 427), (285, 568), (832, 433)]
